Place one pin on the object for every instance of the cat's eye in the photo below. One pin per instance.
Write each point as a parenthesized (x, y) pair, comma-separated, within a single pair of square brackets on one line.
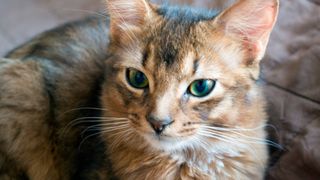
[(137, 79), (201, 88)]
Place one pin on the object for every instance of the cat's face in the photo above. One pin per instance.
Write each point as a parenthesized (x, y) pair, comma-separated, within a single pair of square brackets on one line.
[(178, 76)]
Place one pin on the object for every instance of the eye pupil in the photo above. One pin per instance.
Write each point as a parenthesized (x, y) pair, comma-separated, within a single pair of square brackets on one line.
[(139, 77), (201, 88)]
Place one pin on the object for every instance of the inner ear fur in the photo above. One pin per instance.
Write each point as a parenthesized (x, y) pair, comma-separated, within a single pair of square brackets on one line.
[(126, 16), (250, 22)]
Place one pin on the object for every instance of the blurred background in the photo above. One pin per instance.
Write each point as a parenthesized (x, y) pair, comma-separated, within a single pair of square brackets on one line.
[(290, 70), (22, 19)]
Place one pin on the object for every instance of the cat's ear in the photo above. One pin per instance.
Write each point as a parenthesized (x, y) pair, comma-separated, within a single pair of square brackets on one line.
[(128, 15), (251, 22)]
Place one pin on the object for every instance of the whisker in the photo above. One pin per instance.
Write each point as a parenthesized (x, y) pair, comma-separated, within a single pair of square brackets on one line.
[(78, 121), (102, 126), (96, 120), (253, 139), (120, 135), (118, 127), (245, 139), (112, 130), (202, 143), (89, 136), (204, 133), (231, 141), (275, 129), (91, 119), (95, 134), (226, 128), (85, 11), (102, 130)]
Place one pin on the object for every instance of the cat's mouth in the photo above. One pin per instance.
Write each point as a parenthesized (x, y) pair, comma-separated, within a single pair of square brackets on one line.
[(166, 142), (162, 137)]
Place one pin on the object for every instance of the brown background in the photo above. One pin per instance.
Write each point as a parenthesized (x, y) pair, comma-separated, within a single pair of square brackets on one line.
[(291, 70)]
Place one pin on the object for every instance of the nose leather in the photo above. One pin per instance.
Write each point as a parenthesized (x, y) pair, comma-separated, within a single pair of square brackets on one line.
[(159, 125)]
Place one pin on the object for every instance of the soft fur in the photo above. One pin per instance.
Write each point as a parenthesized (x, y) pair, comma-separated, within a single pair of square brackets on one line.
[(50, 95)]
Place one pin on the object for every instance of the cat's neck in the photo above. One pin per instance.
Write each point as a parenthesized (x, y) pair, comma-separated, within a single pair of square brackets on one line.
[(132, 160)]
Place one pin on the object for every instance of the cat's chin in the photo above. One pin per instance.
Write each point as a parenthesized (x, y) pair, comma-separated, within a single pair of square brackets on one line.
[(166, 143)]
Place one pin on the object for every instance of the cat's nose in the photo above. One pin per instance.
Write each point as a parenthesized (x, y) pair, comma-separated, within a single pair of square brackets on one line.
[(159, 125)]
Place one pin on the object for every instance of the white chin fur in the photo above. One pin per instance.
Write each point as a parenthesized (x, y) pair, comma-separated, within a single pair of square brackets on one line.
[(167, 144)]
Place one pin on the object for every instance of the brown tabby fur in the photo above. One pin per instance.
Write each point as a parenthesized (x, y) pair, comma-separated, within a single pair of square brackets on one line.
[(58, 75)]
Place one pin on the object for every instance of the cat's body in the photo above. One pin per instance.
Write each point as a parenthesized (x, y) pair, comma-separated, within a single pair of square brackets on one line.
[(51, 86), (42, 91)]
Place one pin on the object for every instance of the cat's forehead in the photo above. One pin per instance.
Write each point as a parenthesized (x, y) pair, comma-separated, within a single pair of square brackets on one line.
[(174, 45), (170, 55), (178, 34), (179, 60), (170, 44)]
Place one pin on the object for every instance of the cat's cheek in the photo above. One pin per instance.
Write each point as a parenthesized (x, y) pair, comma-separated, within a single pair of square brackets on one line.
[(172, 131), (222, 108), (143, 127), (187, 122), (114, 103)]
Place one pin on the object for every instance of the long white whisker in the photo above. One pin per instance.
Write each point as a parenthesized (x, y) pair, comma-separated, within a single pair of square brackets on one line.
[(215, 136), (120, 136), (90, 119), (95, 134), (235, 128), (113, 122), (223, 138), (245, 137), (118, 127), (123, 130), (260, 141), (203, 144), (100, 132), (101, 126)]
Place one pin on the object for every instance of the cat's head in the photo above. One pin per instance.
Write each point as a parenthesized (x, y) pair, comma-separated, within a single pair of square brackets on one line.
[(177, 74)]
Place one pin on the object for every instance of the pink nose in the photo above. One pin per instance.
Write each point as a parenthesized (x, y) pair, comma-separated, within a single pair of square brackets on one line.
[(159, 125)]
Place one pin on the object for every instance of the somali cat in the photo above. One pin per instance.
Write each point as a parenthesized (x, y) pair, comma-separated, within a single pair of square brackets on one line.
[(149, 92)]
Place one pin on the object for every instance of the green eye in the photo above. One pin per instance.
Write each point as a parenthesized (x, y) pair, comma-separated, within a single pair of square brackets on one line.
[(137, 79), (202, 87)]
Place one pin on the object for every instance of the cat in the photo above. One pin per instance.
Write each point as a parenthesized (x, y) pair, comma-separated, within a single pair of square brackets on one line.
[(147, 92)]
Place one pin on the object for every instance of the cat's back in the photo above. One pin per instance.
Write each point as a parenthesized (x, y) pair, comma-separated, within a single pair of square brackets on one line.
[(44, 85), (69, 42), (70, 58)]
